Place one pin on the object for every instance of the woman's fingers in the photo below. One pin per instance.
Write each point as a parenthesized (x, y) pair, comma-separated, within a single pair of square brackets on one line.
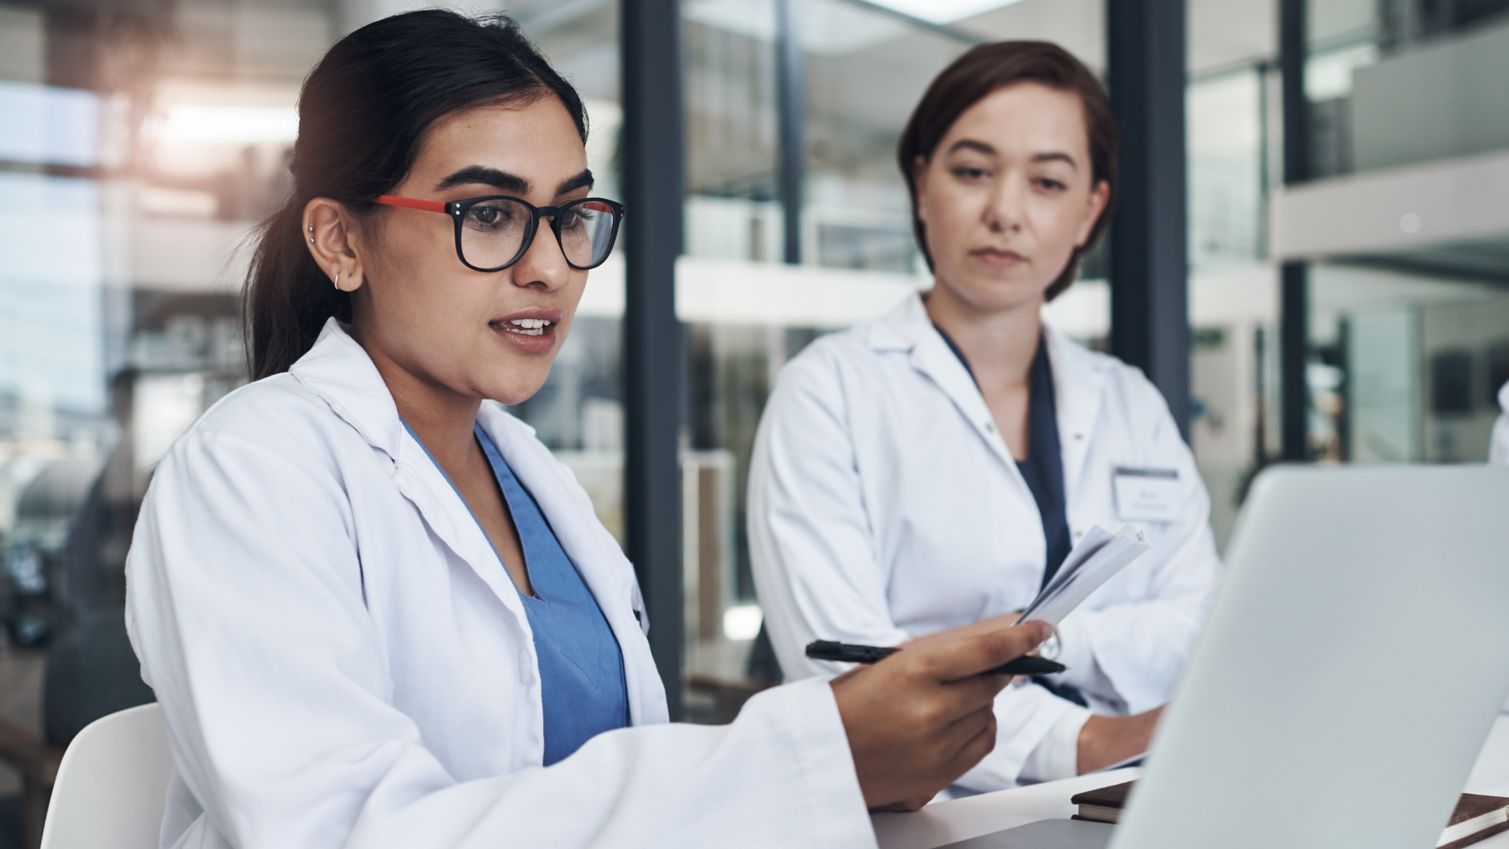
[(979, 648), (963, 744), (958, 735), (976, 748), (972, 694), (919, 719)]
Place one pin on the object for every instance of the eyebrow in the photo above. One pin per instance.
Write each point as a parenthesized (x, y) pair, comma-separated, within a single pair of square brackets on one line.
[(510, 183), (971, 144), (1056, 156), (583, 180), (988, 150), (501, 180)]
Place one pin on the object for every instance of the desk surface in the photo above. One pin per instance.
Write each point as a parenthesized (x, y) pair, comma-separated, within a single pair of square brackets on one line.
[(942, 823)]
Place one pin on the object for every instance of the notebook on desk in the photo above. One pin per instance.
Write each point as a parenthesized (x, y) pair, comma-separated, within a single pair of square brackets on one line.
[(1475, 818), (1345, 679)]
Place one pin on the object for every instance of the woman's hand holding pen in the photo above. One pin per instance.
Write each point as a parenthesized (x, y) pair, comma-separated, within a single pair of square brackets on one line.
[(920, 718)]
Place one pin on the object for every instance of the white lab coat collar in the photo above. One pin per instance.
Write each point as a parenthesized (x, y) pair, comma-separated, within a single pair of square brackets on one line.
[(340, 372), (1078, 378), (908, 329)]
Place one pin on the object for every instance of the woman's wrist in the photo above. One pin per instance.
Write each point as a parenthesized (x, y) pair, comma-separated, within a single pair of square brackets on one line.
[(1105, 740)]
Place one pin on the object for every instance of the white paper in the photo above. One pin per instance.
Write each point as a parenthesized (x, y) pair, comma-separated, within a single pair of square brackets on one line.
[(1098, 558)]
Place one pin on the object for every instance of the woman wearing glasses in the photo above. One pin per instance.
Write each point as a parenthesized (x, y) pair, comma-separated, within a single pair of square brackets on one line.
[(376, 611), (935, 466)]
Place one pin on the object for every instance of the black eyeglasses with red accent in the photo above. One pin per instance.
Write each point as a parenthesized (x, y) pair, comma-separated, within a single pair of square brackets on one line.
[(495, 231)]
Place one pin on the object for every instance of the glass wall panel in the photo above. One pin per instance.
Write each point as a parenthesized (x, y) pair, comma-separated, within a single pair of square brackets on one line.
[(1400, 92), (1231, 278), (1409, 325)]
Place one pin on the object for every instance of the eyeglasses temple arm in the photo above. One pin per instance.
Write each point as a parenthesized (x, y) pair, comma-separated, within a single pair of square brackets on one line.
[(412, 203)]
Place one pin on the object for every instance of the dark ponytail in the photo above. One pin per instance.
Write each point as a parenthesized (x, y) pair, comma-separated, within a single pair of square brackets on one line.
[(363, 112)]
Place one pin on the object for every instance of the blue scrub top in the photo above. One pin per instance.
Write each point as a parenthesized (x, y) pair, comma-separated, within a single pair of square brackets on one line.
[(581, 666)]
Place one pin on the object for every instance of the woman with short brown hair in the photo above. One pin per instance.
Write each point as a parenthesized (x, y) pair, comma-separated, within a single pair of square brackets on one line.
[(935, 466)]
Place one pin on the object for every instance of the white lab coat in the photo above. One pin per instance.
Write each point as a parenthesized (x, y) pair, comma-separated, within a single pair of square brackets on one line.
[(343, 661), (1499, 451), (883, 505)]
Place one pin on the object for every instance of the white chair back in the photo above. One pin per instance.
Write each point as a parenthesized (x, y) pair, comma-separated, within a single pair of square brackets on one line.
[(112, 784)]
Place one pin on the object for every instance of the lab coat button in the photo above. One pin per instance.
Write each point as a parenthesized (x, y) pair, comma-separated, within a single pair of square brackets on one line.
[(990, 428)]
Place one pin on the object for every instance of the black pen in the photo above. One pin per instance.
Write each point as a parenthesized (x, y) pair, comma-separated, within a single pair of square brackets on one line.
[(851, 653)]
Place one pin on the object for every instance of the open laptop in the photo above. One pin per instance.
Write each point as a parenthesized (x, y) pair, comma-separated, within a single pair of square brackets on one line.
[(1348, 674)]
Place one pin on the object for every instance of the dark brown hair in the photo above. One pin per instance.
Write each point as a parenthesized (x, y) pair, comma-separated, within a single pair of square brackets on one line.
[(363, 113), (979, 73)]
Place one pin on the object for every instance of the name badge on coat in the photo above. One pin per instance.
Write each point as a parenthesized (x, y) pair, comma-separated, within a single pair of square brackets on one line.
[(1146, 495)]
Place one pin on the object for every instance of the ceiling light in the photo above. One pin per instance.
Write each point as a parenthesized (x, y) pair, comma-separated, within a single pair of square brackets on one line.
[(942, 11)]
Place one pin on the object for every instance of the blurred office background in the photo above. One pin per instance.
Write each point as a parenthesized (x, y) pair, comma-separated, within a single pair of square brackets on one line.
[(1346, 280)]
